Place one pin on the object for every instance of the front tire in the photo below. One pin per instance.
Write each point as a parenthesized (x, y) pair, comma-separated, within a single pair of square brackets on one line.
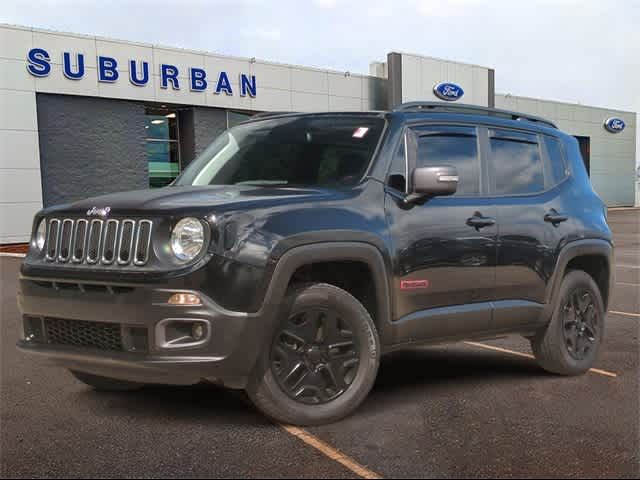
[(322, 361), (105, 384), (571, 343)]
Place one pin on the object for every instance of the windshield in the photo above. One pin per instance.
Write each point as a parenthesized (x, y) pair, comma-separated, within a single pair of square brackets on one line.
[(309, 150)]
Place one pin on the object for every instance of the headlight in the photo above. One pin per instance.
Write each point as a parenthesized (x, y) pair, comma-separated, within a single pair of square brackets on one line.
[(41, 234), (187, 239)]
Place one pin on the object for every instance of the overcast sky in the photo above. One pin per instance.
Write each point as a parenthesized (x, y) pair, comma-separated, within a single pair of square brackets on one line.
[(585, 51)]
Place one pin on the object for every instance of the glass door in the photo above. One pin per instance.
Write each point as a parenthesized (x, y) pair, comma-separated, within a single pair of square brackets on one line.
[(163, 146)]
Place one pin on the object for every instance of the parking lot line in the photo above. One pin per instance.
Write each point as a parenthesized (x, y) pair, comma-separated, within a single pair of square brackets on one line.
[(330, 452), (12, 255), (626, 265), (628, 284), (526, 355), (629, 314)]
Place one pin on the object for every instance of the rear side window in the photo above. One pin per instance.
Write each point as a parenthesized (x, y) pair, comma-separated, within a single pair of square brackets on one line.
[(452, 146), (557, 165), (516, 164)]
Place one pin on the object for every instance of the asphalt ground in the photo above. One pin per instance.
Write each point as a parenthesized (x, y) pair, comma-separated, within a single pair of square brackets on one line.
[(463, 410)]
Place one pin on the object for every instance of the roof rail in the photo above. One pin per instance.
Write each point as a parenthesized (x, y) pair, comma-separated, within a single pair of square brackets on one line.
[(270, 114), (472, 109)]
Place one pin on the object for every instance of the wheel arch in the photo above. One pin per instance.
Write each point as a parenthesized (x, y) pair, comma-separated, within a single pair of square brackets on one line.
[(580, 255), (328, 252)]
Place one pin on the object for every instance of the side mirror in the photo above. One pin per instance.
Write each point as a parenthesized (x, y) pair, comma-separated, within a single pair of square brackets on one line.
[(435, 181)]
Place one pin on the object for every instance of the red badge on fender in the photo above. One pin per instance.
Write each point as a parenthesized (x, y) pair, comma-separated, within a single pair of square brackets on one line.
[(414, 284)]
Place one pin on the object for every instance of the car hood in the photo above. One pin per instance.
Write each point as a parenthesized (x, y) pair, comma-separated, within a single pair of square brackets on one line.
[(194, 199)]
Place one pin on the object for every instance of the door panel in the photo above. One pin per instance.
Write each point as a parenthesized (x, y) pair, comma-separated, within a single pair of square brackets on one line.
[(531, 222), (450, 262), (445, 247)]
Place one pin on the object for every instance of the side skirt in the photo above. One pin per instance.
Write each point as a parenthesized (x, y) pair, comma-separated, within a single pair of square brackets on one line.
[(468, 322)]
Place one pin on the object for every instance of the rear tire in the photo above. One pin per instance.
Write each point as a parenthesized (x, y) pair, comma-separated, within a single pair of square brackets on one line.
[(105, 384), (571, 343), (322, 361)]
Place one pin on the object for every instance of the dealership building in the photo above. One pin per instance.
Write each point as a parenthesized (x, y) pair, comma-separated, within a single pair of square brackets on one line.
[(82, 115)]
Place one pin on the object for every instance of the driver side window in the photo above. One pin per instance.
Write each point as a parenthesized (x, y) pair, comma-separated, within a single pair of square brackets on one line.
[(452, 146)]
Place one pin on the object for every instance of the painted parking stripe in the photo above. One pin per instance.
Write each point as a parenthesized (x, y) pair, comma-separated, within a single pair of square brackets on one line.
[(330, 452), (12, 255), (626, 265), (628, 314), (628, 284), (526, 355)]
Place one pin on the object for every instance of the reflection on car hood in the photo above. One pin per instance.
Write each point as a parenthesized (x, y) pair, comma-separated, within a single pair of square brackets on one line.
[(190, 198)]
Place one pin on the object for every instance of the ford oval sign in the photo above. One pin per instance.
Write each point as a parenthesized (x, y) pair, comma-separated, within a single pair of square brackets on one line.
[(449, 92), (615, 125)]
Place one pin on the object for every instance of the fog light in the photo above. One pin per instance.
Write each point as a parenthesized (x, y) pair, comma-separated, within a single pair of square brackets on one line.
[(198, 331), (184, 299)]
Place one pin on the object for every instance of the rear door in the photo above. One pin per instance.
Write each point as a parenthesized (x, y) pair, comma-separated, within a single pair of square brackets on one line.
[(531, 222)]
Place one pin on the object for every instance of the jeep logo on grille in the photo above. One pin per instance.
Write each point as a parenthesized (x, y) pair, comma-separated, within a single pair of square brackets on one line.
[(98, 212)]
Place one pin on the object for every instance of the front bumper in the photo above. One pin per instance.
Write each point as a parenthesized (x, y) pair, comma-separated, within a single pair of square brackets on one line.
[(227, 356)]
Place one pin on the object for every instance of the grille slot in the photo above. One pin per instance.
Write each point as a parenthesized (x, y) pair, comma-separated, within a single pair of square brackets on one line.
[(66, 234), (80, 241), (52, 239), (110, 239), (95, 236), (142, 242), (96, 241), (80, 333), (125, 247)]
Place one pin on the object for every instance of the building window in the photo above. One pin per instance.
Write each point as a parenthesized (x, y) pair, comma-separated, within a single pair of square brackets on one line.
[(163, 147)]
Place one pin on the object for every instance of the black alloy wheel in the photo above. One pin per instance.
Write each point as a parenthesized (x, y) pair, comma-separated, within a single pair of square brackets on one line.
[(315, 356), (580, 321)]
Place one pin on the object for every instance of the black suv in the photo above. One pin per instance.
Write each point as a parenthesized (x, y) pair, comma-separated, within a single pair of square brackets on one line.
[(299, 248)]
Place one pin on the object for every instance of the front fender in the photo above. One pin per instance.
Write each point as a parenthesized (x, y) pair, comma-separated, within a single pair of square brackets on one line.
[(286, 265)]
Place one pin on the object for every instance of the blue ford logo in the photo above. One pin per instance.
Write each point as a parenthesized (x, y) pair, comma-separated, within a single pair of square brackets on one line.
[(449, 92), (615, 125)]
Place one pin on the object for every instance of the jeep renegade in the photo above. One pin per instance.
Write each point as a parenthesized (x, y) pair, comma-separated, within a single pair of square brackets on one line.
[(299, 248)]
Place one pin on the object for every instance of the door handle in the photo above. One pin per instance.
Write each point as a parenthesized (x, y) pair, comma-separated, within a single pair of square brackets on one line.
[(554, 217), (478, 221)]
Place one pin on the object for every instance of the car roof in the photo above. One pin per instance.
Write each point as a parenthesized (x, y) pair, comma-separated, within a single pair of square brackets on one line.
[(416, 112)]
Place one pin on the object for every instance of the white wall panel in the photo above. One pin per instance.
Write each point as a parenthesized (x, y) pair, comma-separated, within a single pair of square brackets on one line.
[(309, 81), (347, 104), (14, 75), (345, 86), (18, 110), (15, 42), (308, 102), (272, 76), (421, 74), (272, 100), (19, 149), (20, 186), (16, 220)]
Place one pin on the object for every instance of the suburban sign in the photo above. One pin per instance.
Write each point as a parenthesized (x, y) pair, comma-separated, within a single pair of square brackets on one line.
[(449, 92), (109, 70)]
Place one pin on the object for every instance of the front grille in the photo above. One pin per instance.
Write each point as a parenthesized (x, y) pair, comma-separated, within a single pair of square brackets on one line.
[(125, 242), (79, 333)]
